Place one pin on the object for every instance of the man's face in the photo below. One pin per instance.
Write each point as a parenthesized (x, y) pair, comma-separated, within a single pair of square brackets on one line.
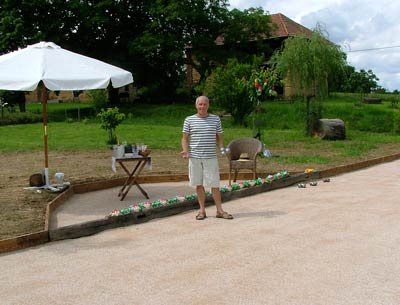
[(202, 107)]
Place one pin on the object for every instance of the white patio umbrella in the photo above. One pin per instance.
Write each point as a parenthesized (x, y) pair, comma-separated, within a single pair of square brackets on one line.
[(57, 69)]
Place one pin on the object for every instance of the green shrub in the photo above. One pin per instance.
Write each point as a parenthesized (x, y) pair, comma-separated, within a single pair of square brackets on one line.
[(109, 120), (99, 99), (21, 118), (396, 122), (229, 87)]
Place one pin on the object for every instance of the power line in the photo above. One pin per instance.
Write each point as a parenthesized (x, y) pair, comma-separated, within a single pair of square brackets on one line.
[(373, 49)]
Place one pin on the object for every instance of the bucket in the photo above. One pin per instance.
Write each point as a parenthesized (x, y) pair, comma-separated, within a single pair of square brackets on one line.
[(59, 178), (119, 151)]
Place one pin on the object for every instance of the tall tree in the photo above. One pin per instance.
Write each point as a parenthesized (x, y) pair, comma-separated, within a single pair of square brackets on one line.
[(101, 29), (239, 34), (172, 26), (145, 37), (360, 81)]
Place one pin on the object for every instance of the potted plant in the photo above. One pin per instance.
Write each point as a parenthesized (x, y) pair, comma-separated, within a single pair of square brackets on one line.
[(109, 120)]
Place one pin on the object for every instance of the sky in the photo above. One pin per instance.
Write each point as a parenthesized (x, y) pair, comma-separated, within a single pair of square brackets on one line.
[(367, 31)]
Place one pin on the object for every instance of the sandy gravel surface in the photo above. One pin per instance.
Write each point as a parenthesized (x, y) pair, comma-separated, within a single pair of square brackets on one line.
[(334, 243), (96, 205)]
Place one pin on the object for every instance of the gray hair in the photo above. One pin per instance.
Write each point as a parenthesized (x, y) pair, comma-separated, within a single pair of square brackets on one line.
[(202, 97)]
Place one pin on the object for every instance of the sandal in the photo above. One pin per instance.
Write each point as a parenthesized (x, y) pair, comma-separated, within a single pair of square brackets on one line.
[(224, 215), (201, 216)]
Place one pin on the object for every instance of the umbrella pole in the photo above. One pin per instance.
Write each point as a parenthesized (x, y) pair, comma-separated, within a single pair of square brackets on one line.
[(46, 157)]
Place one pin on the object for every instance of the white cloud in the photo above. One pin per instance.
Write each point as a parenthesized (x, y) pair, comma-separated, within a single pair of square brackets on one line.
[(352, 24), (246, 4)]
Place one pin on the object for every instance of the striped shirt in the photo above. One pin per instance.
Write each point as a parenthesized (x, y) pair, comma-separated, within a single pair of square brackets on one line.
[(203, 135)]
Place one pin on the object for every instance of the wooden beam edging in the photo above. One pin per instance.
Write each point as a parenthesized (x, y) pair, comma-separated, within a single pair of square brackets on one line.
[(55, 203), (24, 241), (37, 238), (357, 166), (96, 226)]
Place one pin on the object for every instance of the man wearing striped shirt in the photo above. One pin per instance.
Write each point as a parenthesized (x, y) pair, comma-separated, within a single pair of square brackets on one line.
[(204, 131)]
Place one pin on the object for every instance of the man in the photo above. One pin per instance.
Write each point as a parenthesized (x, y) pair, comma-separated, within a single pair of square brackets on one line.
[(205, 131)]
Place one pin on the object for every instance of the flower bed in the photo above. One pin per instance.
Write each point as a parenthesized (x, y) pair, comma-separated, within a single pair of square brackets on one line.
[(147, 205)]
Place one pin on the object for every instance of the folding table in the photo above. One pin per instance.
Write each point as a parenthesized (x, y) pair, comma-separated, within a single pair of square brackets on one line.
[(133, 173)]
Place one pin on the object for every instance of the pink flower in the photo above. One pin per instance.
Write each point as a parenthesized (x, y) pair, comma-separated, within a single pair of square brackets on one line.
[(180, 198), (114, 212)]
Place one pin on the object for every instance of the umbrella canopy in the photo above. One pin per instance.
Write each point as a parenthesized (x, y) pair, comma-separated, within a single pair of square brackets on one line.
[(58, 69)]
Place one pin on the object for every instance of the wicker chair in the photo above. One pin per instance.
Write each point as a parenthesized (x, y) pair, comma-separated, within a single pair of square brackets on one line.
[(243, 155)]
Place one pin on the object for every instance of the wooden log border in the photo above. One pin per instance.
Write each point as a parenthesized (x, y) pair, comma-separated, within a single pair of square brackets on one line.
[(24, 241), (93, 227), (357, 166), (96, 226)]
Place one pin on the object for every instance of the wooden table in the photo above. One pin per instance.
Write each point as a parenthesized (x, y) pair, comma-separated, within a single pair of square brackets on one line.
[(133, 174)]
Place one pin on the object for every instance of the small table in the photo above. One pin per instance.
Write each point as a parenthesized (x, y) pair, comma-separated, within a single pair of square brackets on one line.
[(133, 174)]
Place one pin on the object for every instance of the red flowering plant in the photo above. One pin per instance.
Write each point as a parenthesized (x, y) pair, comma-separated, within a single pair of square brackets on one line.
[(263, 84)]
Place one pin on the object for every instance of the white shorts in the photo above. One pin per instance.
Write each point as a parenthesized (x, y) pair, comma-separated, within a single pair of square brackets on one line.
[(204, 172)]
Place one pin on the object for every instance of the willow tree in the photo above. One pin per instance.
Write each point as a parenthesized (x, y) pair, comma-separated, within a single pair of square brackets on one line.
[(307, 63)]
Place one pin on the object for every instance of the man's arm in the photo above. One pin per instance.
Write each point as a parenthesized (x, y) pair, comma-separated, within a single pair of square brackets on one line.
[(185, 145), (220, 140)]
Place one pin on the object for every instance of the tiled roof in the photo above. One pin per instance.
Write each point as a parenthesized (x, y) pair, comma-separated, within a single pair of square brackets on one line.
[(286, 27)]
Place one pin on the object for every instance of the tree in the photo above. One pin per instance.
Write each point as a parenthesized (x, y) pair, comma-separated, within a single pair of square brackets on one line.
[(13, 98), (109, 120), (363, 82), (145, 37), (307, 64), (172, 26), (230, 88), (2, 105), (25, 22), (380, 90), (239, 34)]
